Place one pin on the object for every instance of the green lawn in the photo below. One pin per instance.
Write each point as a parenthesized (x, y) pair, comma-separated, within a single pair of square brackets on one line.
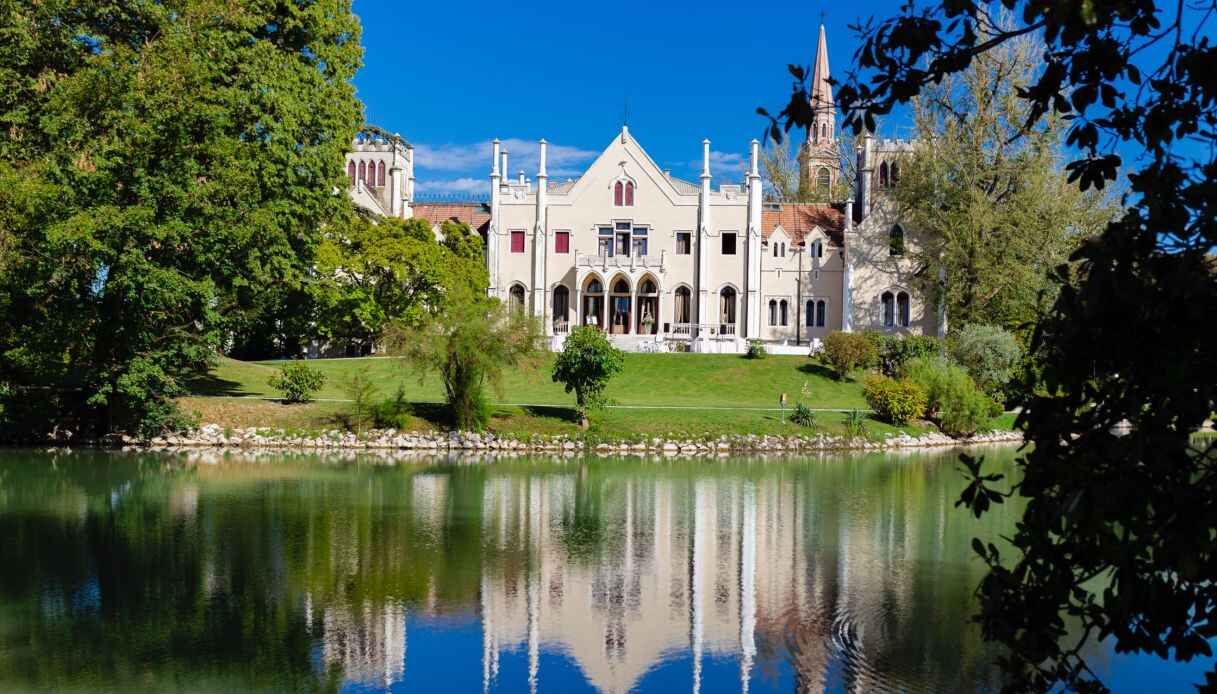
[(699, 380), (696, 388)]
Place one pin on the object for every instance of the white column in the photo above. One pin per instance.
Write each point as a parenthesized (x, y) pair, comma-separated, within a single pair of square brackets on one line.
[(696, 587), (409, 180), (540, 248), (747, 586), (496, 219), (865, 172), (395, 191), (753, 246), (703, 240), (847, 277)]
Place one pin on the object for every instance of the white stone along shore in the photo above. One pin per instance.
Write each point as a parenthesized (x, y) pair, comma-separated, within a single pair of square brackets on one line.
[(215, 436)]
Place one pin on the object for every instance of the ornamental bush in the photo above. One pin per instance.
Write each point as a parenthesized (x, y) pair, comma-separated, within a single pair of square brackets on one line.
[(897, 350), (989, 353), (802, 415), (848, 351), (297, 381), (958, 406), (756, 350), (896, 401), (587, 361)]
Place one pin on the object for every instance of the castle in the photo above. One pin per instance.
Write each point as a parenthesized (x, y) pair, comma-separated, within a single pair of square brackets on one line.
[(661, 263)]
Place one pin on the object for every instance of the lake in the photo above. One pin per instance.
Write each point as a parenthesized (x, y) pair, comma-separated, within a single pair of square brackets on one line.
[(299, 572)]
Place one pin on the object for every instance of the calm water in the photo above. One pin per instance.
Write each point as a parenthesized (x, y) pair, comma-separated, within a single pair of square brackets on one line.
[(138, 572)]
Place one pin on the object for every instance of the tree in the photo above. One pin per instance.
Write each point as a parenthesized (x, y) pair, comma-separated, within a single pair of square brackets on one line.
[(586, 364), (164, 164), (469, 345), (784, 177), (462, 241), (993, 210), (372, 273), (1117, 540)]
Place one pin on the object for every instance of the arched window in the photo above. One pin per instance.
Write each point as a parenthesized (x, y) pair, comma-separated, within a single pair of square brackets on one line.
[(895, 174), (783, 249), (517, 298), (726, 306), (594, 287), (823, 179), (593, 303), (621, 287), (902, 309), (883, 175), (889, 309), (629, 194), (380, 173), (363, 172), (821, 313), (648, 287), (817, 249), (561, 304), (618, 194), (351, 172), (681, 313), (782, 308), (773, 312), (775, 249), (896, 241)]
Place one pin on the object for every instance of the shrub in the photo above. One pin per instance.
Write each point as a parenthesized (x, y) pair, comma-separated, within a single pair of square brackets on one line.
[(897, 350), (895, 401), (954, 401), (848, 351), (756, 350), (855, 423), (989, 353), (393, 413), (297, 381), (802, 415), (361, 391)]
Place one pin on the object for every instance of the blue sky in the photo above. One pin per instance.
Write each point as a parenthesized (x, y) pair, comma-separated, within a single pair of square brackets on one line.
[(451, 76)]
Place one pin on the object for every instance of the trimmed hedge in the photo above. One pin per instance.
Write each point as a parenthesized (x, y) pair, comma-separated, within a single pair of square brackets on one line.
[(898, 402)]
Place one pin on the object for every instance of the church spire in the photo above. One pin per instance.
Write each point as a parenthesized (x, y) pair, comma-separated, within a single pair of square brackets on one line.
[(822, 127)]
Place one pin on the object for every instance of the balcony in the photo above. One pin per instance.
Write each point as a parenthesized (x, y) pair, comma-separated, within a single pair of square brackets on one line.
[(622, 262)]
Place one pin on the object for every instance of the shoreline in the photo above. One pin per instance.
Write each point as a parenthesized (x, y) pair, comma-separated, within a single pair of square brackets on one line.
[(211, 436)]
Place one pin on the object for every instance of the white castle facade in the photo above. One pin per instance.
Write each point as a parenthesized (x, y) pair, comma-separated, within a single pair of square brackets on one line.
[(666, 264)]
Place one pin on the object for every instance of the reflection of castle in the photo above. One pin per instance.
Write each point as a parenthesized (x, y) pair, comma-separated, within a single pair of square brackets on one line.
[(708, 566), (368, 642)]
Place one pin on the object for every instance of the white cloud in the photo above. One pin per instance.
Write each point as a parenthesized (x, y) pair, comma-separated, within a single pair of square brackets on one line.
[(474, 158), (722, 163), (454, 185)]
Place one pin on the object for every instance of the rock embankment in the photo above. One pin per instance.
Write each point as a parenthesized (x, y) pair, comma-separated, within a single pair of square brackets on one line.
[(213, 436)]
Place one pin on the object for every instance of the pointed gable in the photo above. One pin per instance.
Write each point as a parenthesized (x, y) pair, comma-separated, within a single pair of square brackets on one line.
[(625, 159), (798, 220)]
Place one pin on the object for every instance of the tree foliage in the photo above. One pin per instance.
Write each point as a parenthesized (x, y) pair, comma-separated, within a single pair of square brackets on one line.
[(1117, 541), (586, 364), (163, 165), (297, 381), (469, 345)]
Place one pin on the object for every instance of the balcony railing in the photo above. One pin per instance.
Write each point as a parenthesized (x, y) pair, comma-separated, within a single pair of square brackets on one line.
[(561, 327), (623, 262), (706, 329)]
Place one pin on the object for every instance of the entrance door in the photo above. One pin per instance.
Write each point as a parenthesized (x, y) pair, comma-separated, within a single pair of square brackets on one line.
[(621, 315)]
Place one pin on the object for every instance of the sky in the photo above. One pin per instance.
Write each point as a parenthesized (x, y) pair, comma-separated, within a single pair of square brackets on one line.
[(450, 77)]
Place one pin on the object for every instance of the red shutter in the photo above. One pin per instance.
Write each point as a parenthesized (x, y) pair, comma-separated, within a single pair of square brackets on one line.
[(562, 242), (351, 171), (629, 194), (517, 242), (380, 174), (617, 194)]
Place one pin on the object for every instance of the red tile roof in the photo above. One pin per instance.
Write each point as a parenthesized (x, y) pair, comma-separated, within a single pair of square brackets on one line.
[(475, 214), (799, 218)]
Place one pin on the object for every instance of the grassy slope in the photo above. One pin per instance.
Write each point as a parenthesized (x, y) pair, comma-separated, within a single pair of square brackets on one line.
[(696, 381), (700, 380)]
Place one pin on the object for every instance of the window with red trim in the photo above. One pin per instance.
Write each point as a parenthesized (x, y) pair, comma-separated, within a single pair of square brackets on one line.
[(517, 241), (561, 242), (618, 191), (629, 194), (363, 171), (351, 171), (380, 174)]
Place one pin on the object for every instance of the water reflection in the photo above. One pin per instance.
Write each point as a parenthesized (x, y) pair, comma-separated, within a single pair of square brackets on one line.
[(296, 573)]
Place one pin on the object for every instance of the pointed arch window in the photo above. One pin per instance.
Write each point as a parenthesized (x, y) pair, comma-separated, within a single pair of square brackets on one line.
[(683, 299), (351, 172), (623, 194), (773, 312), (380, 173), (883, 175), (517, 298), (823, 179), (888, 302), (902, 309), (817, 249), (783, 310), (895, 173), (561, 305), (895, 241), (821, 313), (726, 307), (363, 172), (629, 194)]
